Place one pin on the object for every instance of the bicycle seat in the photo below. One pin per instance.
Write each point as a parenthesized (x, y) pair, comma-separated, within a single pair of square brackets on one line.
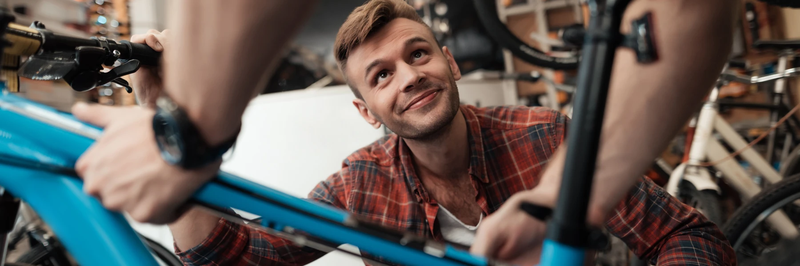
[(777, 45)]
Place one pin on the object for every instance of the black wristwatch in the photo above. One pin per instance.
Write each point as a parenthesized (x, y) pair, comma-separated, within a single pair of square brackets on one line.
[(179, 140)]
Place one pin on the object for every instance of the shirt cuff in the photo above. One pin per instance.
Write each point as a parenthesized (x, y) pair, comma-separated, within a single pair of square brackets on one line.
[(217, 246)]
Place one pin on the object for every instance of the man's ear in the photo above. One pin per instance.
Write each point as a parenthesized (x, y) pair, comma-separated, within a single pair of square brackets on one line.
[(366, 113), (452, 62)]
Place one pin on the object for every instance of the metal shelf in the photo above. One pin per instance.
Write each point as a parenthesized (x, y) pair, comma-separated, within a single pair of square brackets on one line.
[(54, 26)]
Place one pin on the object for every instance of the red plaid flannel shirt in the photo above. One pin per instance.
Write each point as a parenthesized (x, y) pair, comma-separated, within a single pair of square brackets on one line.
[(509, 147)]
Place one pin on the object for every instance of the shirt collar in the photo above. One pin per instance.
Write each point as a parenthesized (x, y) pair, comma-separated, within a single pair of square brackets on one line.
[(477, 163)]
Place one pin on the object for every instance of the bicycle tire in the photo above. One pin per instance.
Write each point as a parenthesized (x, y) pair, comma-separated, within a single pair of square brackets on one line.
[(704, 201), (487, 13), (767, 199)]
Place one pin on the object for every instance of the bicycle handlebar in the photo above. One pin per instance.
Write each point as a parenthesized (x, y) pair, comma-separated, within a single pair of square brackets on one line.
[(730, 76), (26, 41)]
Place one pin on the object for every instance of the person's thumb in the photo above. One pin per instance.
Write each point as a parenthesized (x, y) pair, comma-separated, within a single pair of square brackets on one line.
[(98, 115), (486, 243)]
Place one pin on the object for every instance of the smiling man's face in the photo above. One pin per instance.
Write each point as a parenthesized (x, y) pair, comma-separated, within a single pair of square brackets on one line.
[(406, 81)]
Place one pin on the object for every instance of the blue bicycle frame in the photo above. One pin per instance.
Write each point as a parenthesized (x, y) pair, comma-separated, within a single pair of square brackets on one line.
[(39, 147)]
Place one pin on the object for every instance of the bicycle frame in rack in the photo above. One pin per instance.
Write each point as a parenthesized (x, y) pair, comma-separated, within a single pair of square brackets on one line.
[(39, 146), (704, 146)]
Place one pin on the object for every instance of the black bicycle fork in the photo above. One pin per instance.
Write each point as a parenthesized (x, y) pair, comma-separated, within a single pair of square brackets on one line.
[(601, 41)]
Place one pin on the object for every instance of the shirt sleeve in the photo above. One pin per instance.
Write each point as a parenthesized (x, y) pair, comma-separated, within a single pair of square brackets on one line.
[(659, 228), (235, 244)]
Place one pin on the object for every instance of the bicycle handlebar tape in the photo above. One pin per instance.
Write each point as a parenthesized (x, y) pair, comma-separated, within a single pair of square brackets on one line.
[(141, 52), (597, 239)]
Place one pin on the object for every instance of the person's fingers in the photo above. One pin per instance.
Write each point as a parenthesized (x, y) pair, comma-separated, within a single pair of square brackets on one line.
[(138, 38), (507, 250), (487, 243), (98, 115), (152, 41), (162, 38), (82, 165)]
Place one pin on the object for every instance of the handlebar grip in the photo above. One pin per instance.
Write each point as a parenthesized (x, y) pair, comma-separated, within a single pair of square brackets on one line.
[(141, 52), (573, 35), (737, 63)]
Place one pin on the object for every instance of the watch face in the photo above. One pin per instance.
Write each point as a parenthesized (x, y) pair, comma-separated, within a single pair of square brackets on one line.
[(169, 139)]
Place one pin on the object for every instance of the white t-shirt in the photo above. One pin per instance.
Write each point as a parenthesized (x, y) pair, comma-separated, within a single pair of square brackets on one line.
[(454, 230)]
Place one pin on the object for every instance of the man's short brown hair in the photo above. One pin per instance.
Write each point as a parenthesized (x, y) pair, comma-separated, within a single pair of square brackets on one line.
[(364, 21)]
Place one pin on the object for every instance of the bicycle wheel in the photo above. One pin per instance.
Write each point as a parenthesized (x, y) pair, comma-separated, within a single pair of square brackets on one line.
[(753, 240), (487, 12)]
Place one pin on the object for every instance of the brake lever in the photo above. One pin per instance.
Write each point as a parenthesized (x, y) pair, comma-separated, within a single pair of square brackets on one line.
[(115, 74), (89, 64), (123, 83)]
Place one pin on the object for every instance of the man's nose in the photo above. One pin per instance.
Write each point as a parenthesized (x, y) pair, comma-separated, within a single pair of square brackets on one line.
[(412, 78)]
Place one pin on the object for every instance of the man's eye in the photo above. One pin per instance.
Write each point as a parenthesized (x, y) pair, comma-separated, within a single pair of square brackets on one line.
[(418, 54), (381, 76)]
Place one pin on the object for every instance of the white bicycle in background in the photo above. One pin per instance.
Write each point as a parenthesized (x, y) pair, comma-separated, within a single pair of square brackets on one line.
[(692, 180)]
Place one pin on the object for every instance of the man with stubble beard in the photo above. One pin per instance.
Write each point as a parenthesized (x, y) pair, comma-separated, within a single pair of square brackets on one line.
[(447, 166)]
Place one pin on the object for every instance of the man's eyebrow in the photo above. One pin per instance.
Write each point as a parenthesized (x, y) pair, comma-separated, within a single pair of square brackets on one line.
[(416, 40), (370, 66), (410, 41)]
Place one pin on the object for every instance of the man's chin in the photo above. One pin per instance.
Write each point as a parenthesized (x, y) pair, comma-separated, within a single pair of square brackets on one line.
[(429, 130)]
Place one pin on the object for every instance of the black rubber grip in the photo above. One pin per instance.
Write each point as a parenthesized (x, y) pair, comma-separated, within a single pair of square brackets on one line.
[(539, 212), (573, 35), (141, 52)]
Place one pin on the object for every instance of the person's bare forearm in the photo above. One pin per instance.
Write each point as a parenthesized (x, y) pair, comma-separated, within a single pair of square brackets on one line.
[(234, 47), (192, 228), (648, 103)]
